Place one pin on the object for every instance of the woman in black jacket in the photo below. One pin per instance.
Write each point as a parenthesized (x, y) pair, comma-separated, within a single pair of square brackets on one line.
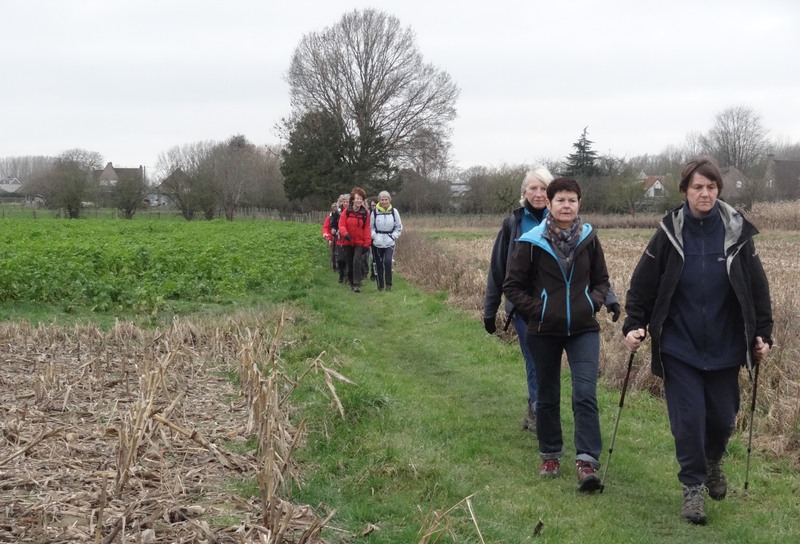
[(557, 279), (701, 292), (533, 211)]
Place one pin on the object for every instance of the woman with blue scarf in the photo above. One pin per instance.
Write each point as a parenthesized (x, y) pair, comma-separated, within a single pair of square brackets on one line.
[(557, 278)]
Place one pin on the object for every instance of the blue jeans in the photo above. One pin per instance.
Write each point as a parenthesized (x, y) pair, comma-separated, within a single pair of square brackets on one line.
[(530, 370), (583, 354)]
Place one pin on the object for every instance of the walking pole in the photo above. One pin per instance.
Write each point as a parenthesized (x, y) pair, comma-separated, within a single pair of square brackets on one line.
[(616, 425), (752, 417), (508, 319)]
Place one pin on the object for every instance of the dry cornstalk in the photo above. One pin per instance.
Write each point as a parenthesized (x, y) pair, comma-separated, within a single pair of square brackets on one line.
[(42, 436)]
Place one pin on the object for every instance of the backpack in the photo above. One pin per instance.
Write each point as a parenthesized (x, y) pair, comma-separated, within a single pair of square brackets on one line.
[(363, 214), (394, 221)]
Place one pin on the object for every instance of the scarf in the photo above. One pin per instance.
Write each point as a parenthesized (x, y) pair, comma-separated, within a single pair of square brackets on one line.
[(564, 241), (382, 209)]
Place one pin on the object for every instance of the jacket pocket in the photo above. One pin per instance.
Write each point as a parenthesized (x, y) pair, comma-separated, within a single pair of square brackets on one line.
[(594, 308), (543, 300)]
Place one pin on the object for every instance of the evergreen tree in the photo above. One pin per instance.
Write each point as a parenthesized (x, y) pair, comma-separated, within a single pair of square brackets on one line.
[(581, 163), (314, 168)]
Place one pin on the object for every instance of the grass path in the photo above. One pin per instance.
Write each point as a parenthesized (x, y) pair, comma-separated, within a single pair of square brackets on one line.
[(435, 417)]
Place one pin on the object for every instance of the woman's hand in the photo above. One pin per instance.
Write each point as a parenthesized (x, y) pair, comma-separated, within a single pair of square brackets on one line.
[(634, 339), (760, 349)]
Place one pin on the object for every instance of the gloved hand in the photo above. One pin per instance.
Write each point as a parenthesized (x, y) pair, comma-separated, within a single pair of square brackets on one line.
[(615, 310), (348, 238), (490, 325)]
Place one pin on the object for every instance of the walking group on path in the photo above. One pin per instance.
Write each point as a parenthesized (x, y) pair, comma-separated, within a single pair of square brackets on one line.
[(362, 240), (699, 292)]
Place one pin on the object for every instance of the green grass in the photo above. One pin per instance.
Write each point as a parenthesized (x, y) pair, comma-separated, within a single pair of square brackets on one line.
[(435, 417)]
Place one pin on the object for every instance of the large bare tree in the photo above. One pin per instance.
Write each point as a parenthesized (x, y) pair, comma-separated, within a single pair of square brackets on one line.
[(367, 71), (737, 138)]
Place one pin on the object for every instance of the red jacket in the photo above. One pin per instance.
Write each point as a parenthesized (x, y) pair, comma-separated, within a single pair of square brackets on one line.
[(326, 229), (355, 224)]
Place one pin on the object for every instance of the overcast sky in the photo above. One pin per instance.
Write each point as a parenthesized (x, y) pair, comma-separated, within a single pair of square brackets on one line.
[(131, 79)]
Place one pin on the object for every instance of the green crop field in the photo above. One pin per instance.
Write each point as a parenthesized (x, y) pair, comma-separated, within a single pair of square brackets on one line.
[(144, 266)]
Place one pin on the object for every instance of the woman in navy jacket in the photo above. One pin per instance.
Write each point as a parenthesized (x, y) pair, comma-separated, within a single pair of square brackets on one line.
[(557, 278), (701, 292)]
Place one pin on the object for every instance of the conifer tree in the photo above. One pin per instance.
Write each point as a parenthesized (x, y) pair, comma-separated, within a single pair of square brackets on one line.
[(581, 163)]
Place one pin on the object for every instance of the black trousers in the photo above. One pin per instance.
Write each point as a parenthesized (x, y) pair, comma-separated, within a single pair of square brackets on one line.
[(702, 407), (383, 265), (355, 269)]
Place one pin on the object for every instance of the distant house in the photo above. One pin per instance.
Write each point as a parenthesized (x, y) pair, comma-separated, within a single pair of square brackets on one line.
[(9, 186), (654, 186), (734, 183), (110, 176), (782, 178), (174, 186)]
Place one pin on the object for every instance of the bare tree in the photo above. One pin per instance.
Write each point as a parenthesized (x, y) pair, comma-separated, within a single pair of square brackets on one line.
[(367, 71), (129, 192), (423, 194), (26, 167), (185, 180), (492, 190), (234, 166), (737, 139), (67, 184), (268, 190)]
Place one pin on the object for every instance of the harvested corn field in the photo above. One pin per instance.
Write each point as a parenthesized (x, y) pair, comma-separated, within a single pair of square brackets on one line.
[(141, 436)]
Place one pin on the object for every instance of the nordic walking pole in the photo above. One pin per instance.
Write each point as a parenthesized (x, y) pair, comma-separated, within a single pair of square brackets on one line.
[(752, 417), (616, 425)]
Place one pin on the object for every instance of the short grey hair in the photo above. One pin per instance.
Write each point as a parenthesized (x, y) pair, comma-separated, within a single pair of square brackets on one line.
[(385, 194), (539, 173)]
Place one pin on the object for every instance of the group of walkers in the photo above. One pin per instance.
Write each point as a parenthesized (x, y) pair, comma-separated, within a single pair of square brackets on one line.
[(362, 238), (699, 292)]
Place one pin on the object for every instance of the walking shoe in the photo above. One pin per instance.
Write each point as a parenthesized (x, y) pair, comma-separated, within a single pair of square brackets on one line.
[(694, 504), (388, 287), (356, 289), (529, 421), (588, 480), (549, 467), (717, 484)]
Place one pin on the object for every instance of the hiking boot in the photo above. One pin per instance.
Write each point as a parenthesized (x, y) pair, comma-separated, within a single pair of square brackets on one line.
[(717, 484), (549, 467), (694, 504), (588, 480), (388, 287), (529, 421), (356, 289)]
